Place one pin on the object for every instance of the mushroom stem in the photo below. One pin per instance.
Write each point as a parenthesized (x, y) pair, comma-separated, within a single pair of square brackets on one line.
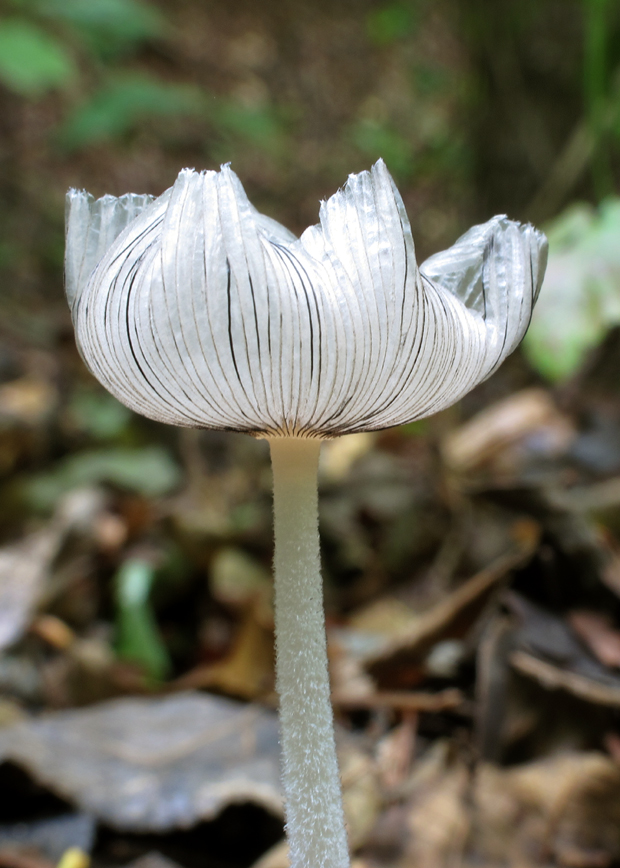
[(313, 798)]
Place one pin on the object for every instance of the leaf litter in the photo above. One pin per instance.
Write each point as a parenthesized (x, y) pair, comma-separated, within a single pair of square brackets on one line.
[(473, 599), (153, 764)]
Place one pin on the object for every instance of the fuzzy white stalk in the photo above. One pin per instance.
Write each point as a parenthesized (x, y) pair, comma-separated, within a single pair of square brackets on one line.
[(313, 798)]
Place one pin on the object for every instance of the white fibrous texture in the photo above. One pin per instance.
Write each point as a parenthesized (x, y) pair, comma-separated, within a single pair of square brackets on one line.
[(196, 310)]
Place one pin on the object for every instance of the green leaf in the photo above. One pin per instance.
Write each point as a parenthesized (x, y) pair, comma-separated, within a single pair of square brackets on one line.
[(392, 22), (376, 139), (433, 80), (257, 125), (98, 414), (580, 298), (149, 471), (109, 26), (32, 62), (121, 105), (137, 636), (419, 428)]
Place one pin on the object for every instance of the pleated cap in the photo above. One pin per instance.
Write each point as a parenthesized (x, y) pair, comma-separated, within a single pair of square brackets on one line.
[(196, 310)]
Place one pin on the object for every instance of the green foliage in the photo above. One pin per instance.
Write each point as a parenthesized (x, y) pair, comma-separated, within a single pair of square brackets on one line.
[(108, 27), (137, 636), (121, 104), (431, 80), (580, 299), (596, 87), (415, 429), (149, 471), (98, 414), (376, 139), (260, 126), (391, 22), (32, 62)]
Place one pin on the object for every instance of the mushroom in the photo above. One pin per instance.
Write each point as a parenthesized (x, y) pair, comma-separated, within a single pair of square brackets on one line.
[(196, 310)]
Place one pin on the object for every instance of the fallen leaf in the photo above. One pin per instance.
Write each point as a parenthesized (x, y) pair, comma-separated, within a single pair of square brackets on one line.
[(361, 794), (25, 565), (594, 498), (239, 581), (451, 617), (547, 650), (401, 700), (339, 455), (246, 672), (498, 441), (51, 838), (24, 569), (149, 471), (54, 631), (19, 857), (567, 807), (438, 818), (395, 752), (27, 400), (553, 677), (153, 764), (10, 712), (153, 860), (275, 857), (597, 632)]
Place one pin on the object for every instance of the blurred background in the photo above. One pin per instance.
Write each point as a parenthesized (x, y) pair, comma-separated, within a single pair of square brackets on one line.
[(471, 561)]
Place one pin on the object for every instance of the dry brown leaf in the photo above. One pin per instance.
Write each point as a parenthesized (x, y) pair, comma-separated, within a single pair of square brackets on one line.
[(24, 569), (495, 440), (247, 671), (153, 860), (340, 454), (547, 650), (275, 857), (438, 820), (553, 677), (401, 700), (454, 614), (25, 565), (596, 630), (395, 753), (597, 497), (563, 810), (385, 617), (10, 712), (27, 400), (239, 581), (21, 857), (54, 631), (566, 807)]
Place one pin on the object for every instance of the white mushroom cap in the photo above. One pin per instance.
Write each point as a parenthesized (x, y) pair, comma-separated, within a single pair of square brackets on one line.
[(196, 310)]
